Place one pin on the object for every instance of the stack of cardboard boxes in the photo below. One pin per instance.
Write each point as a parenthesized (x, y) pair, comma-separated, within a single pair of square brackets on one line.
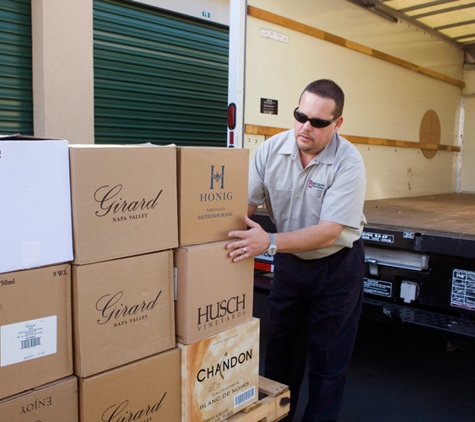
[(150, 309), (218, 338), (35, 282), (124, 229)]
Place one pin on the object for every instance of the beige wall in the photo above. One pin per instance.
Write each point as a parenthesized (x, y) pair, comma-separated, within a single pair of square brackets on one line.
[(383, 100), (63, 77)]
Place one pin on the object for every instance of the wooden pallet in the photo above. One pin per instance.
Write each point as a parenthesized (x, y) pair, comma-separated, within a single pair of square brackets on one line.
[(272, 408)]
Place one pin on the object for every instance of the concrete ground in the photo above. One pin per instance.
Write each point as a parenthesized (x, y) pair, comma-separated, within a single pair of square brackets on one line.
[(399, 376)]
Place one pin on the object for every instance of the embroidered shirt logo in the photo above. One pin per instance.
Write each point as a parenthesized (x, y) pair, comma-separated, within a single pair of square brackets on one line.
[(315, 185)]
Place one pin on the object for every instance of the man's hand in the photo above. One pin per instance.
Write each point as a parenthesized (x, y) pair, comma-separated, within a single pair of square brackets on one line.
[(249, 243)]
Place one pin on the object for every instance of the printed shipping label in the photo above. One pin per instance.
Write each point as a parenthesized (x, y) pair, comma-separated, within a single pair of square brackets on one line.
[(28, 340)]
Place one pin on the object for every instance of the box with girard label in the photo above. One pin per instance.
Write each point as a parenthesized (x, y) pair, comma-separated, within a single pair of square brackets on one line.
[(124, 200), (123, 311), (146, 390), (212, 193)]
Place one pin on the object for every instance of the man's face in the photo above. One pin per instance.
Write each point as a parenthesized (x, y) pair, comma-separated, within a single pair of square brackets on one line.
[(312, 140)]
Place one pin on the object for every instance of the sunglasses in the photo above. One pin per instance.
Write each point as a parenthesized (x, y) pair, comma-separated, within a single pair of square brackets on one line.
[(315, 122)]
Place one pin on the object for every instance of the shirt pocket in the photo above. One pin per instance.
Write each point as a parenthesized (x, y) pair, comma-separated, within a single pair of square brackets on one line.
[(280, 203), (313, 205)]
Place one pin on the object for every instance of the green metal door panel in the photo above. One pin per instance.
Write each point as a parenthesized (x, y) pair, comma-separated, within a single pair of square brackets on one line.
[(16, 98), (159, 77)]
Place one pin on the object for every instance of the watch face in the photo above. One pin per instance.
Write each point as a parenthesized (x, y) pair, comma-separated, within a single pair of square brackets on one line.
[(271, 251)]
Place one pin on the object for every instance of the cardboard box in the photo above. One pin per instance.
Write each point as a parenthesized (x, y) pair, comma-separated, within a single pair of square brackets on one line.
[(212, 193), (124, 200), (35, 328), (36, 227), (123, 310), (145, 390), (213, 293), (220, 374), (57, 401)]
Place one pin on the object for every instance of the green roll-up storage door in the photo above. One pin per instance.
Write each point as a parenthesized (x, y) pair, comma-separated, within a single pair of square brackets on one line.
[(159, 77), (16, 98)]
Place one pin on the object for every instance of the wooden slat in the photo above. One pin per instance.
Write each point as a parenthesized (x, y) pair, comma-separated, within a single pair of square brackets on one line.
[(270, 131), (317, 33), (400, 144), (271, 388), (263, 130)]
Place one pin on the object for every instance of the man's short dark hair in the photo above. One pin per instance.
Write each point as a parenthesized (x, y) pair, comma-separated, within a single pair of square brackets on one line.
[(326, 88)]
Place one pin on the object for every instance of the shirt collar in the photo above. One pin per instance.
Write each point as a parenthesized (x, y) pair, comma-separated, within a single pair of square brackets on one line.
[(326, 156), (289, 147)]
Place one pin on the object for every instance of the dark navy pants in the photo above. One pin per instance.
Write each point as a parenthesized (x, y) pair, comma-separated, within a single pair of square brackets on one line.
[(315, 310)]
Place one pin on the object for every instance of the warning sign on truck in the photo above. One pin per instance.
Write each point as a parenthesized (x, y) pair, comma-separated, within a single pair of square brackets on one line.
[(378, 287), (377, 237), (463, 289)]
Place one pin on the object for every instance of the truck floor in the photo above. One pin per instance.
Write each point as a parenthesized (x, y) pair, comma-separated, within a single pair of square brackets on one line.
[(452, 213)]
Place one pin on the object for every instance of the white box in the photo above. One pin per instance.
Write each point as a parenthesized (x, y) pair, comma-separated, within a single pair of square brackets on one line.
[(35, 216)]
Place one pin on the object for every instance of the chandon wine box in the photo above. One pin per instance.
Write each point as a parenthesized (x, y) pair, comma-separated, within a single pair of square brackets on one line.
[(146, 390), (35, 212), (213, 293), (35, 328), (212, 193), (124, 200), (56, 401), (220, 374), (123, 310)]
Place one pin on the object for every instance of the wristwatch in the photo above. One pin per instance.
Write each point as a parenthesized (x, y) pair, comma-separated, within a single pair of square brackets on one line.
[(272, 249)]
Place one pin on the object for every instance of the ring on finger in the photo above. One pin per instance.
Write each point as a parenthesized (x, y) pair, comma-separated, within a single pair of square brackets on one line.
[(244, 250)]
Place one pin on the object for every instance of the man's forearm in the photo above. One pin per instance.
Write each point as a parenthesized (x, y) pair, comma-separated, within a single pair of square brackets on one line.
[(319, 236)]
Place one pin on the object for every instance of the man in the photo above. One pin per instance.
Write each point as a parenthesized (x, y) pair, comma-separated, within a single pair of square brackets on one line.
[(313, 184)]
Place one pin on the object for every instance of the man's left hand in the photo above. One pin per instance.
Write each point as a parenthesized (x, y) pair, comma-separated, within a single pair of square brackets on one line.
[(249, 243)]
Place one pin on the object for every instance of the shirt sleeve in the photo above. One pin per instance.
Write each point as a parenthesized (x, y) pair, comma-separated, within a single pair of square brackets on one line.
[(256, 192)]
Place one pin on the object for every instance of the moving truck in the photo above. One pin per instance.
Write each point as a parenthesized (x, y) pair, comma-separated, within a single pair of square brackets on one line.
[(410, 98), (408, 110)]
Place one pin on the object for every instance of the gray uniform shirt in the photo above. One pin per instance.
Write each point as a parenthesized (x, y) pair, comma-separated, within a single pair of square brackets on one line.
[(331, 188)]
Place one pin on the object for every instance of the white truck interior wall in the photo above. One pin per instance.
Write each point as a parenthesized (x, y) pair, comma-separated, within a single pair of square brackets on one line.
[(406, 172), (342, 18), (382, 100)]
